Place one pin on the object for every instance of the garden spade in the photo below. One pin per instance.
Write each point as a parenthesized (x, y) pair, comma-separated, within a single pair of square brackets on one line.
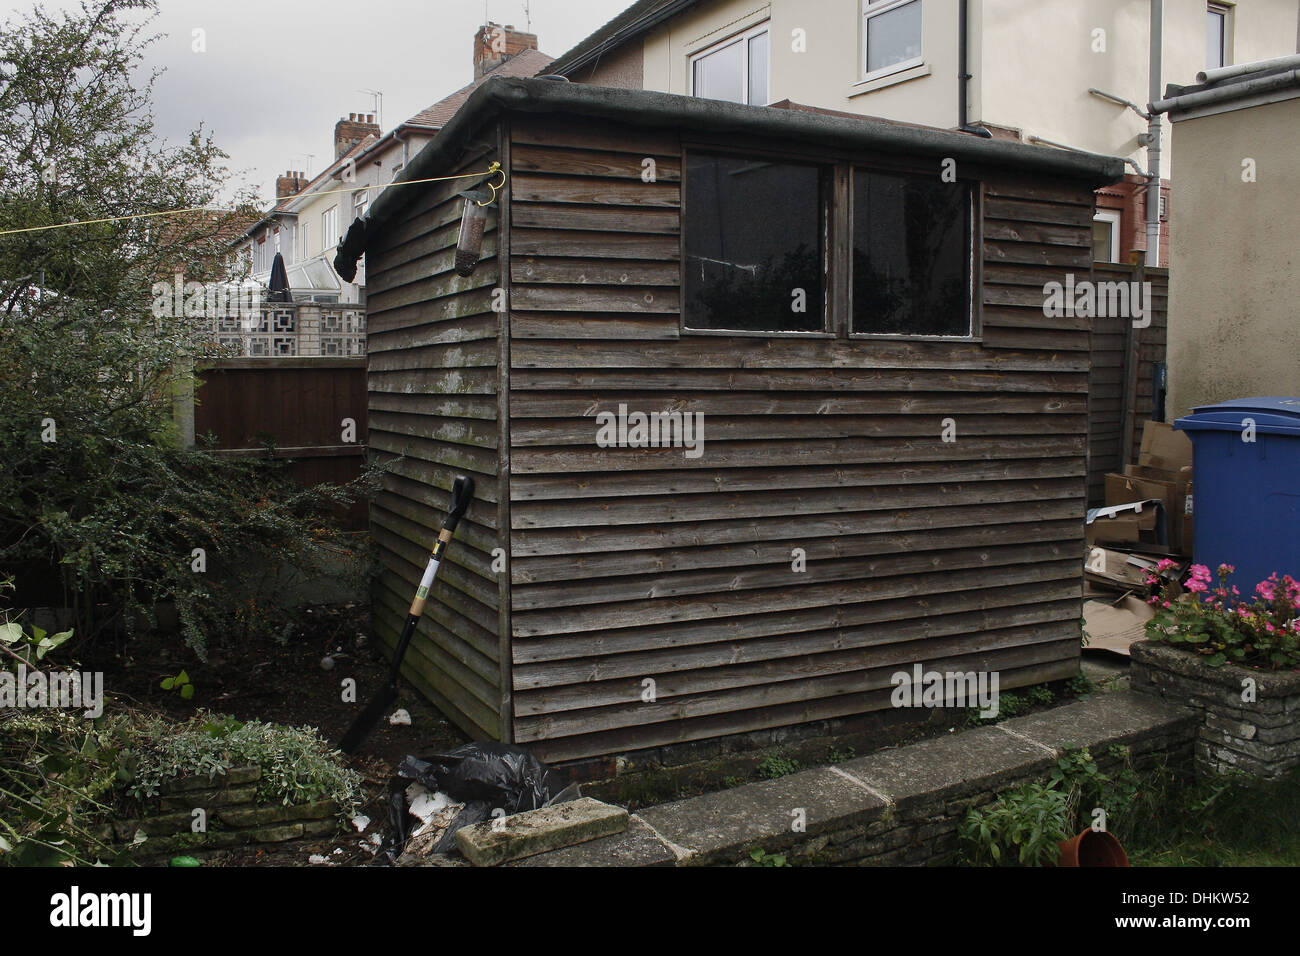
[(462, 490)]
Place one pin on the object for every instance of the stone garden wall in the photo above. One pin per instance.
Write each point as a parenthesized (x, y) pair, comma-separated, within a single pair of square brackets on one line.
[(1249, 719), (231, 813), (898, 806)]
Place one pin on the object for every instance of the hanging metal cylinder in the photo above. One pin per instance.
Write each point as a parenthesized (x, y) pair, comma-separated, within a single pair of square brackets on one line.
[(473, 221)]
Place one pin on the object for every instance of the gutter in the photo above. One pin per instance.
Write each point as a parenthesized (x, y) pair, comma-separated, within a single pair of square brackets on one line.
[(963, 73), (665, 110), (1200, 99)]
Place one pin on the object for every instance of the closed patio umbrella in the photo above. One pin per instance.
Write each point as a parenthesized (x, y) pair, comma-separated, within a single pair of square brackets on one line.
[(277, 289)]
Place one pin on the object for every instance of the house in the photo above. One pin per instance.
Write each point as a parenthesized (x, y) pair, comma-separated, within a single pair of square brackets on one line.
[(311, 217), (1235, 276), (1021, 69), (763, 408)]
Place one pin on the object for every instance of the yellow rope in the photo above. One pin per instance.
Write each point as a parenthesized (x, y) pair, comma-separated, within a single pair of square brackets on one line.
[(494, 168)]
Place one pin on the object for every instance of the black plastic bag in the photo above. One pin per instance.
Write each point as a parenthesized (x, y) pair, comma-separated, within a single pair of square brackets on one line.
[(484, 776)]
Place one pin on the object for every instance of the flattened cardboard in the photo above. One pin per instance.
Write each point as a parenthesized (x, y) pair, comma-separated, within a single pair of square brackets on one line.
[(1115, 626)]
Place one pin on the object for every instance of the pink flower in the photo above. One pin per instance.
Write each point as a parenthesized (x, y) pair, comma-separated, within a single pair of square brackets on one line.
[(1265, 590), (1164, 564), (1195, 584), (1226, 569), (1200, 572)]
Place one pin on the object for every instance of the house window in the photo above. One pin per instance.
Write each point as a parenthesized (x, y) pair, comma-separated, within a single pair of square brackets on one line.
[(735, 70), (912, 244), (1105, 236), (304, 233), (329, 227), (891, 36), (360, 200), (1216, 36), (753, 234)]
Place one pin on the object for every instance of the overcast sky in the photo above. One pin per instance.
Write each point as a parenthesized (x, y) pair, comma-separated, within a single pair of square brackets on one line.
[(277, 74)]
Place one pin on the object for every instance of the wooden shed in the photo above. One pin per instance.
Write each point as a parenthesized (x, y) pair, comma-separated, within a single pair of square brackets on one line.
[(892, 467)]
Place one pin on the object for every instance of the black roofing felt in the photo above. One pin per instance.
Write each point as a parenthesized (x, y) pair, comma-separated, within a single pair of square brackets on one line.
[(650, 109)]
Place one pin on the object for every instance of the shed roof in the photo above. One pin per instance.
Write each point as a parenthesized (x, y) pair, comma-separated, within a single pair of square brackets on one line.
[(652, 109)]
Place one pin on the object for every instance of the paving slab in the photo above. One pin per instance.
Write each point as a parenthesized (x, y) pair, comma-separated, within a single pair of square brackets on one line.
[(536, 831), (949, 766), (1112, 718), (727, 824), (636, 846)]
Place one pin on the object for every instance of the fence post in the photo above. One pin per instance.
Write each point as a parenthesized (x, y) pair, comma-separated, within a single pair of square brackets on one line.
[(309, 328), (183, 399)]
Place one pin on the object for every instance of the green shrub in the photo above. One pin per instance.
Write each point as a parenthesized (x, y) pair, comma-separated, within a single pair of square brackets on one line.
[(1022, 826), (774, 766)]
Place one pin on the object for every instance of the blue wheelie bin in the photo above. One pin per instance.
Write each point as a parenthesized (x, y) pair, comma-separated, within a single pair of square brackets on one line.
[(1246, 487)]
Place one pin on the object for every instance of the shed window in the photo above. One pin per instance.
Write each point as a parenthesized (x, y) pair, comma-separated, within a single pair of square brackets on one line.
[(755, 257), (891, 35), (911, 255)]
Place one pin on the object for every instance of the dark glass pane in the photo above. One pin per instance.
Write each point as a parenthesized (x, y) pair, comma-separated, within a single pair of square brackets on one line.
[(1101, 240), (911, 255), (753, 237)]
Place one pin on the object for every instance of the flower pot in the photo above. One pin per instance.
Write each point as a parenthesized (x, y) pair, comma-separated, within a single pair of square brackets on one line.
[(1092, 848)]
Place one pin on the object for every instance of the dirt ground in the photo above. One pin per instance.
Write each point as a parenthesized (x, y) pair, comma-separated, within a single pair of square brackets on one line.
[(267, 680)]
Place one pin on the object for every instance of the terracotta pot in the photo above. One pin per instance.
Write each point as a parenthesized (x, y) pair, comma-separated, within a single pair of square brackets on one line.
[(1092, 848)]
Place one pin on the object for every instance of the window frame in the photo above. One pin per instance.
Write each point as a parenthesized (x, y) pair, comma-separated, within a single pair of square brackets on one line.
[(866, 13), (1115, 217), (326, 231), (837, 236), (828, 201), (742, 37), (1224, 12), (975, 262)]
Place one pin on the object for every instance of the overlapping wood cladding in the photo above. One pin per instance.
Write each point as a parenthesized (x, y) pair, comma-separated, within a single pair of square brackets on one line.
[(631, 564), (433, 389)]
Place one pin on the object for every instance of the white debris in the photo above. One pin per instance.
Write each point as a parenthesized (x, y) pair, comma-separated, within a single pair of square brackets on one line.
[(327, 663), (376, 839), (338, 851), (318, 860), (400, 717), (361, 821)]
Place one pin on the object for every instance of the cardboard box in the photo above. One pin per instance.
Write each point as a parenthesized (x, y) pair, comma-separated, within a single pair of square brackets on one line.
[(1165, 448), (1124, 528), (1123, 489), (1118, 569)]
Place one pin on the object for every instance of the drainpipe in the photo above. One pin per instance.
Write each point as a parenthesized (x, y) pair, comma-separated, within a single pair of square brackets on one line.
[(963, 73), (1153, 135)]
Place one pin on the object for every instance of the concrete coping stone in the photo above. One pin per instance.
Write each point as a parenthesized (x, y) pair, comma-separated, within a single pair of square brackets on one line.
[(1186, 664), (721, 827)]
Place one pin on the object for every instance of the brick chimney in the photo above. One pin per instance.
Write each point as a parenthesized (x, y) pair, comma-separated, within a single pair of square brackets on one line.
[(348, 132), (289, 184), (494, 44)]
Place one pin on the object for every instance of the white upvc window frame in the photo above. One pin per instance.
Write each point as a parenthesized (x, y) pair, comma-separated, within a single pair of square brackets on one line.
[(329, 231), (743, 38), (1114, 217), (1224, 11), (869, 10)]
